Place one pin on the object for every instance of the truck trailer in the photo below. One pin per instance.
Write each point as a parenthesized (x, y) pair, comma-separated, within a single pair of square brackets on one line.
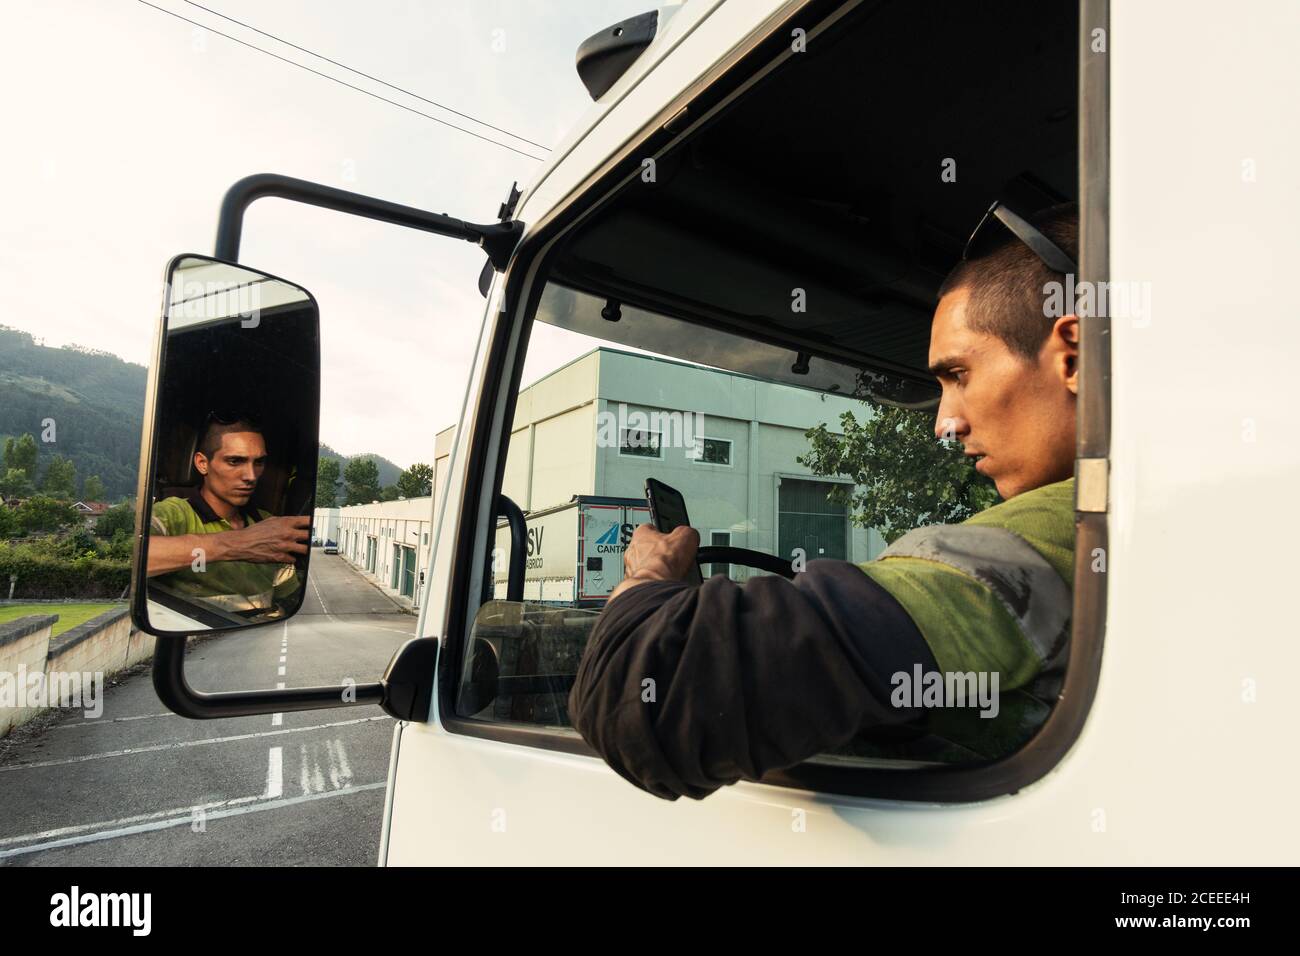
[(574, 550)]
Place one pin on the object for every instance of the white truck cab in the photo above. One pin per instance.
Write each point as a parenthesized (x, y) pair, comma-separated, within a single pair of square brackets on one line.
[(742, 157)]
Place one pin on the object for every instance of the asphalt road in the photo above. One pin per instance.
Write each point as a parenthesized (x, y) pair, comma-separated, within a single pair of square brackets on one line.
[(139, 786)]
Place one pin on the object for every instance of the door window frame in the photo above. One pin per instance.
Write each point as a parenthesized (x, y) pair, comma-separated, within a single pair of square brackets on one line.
[(492, 417)]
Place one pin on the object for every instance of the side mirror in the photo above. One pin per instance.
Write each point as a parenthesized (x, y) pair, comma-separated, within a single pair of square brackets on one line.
[(216, 349), (229, 452)]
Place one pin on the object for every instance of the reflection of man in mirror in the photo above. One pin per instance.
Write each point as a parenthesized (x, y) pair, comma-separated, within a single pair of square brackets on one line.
[(212, 544)]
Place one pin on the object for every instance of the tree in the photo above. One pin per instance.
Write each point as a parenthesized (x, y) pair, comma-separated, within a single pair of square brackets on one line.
[(117, 518), (42, 513), (92, 489), (327, 482), (20, 453), (389, 493), (360, 481), (903, 477), (10, 526), (119, 548), (416, 481), (78, 543), (15, 484), (60, 478)]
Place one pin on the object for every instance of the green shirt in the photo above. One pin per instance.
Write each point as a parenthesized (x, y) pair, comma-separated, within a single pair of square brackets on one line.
[(966, 625), (971, 626), (232, 585)]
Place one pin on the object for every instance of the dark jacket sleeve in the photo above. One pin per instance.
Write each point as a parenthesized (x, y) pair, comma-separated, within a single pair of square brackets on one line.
[(687, 689)]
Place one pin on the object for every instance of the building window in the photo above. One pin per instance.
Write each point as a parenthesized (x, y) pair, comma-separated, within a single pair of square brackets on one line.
[(639, 443), (711, 451), (720, 539), (807, 519), (426, 538)]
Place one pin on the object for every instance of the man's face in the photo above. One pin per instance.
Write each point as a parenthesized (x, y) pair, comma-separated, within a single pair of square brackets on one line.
[(233, 471), (1014, 414)]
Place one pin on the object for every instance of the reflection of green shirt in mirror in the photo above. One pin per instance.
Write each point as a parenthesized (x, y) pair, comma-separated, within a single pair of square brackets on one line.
[(232, 585)]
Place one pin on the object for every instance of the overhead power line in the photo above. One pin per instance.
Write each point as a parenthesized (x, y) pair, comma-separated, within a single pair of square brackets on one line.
[(335, 79), (344, 66)]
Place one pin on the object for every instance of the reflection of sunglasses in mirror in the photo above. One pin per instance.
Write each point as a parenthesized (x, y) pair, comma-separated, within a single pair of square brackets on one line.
[(230, 418)]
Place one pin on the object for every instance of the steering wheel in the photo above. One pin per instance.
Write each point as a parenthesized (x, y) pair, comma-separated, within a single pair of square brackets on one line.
[(747, 557)]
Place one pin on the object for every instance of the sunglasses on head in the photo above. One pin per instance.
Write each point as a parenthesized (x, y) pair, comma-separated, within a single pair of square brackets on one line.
[(985, 238)]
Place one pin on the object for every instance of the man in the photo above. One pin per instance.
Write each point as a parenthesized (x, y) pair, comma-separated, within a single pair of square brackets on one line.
[(247, 555), (686, 689)]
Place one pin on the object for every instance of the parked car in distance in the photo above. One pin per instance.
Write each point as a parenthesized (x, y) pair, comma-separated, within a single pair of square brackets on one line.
[(331, 547)]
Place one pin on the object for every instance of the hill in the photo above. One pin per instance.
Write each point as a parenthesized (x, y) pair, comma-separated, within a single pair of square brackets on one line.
[(95, 400), (388, 471), (97, 403)]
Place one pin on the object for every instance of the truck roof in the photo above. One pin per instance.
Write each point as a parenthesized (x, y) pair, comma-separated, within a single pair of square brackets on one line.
[(624, 109)]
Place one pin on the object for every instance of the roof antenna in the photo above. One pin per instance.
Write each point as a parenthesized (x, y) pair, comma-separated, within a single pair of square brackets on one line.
[(612, 312), (800, 366)]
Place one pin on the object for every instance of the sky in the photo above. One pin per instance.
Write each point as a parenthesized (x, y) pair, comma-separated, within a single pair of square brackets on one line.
[(126, 126)]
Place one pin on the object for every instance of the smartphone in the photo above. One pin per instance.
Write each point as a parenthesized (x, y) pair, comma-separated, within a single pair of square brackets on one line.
[(668, 511)]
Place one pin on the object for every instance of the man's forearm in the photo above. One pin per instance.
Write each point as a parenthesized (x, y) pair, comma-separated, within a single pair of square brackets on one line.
[(174, 552), (686, 689)]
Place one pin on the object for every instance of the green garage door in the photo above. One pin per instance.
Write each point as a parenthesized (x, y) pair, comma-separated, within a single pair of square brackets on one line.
[(408, 572), (807, 519)]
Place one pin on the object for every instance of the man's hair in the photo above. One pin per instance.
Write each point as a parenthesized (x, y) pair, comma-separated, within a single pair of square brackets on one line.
[(210, 441), (1006, 283)]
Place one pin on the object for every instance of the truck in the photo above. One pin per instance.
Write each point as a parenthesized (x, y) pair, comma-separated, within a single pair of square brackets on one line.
[(574, 550), (776, 188)]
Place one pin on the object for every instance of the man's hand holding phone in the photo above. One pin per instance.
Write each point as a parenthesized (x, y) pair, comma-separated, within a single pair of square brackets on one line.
[(654, 556)]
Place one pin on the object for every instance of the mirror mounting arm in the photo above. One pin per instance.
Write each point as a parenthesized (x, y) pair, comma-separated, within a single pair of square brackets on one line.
[(498, 239), (177, 695)]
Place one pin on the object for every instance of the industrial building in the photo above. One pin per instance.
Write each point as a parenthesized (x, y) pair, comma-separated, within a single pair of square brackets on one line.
[(598, 426)]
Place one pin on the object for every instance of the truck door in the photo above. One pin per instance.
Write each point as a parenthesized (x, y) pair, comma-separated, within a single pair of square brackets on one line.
[(703, 319)]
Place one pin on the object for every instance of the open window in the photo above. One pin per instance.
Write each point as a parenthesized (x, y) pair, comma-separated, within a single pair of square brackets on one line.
[(773, 267)]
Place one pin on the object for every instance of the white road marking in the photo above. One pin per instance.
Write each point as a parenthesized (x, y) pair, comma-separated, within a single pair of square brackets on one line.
[(280, 686), (342, 753), (304, 772), (321, 760), (280, 673), (277, 720), (177, 745), (275, 773), (282, 658), (125, 821), (315, 587), (105, 723), (248, 805)]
